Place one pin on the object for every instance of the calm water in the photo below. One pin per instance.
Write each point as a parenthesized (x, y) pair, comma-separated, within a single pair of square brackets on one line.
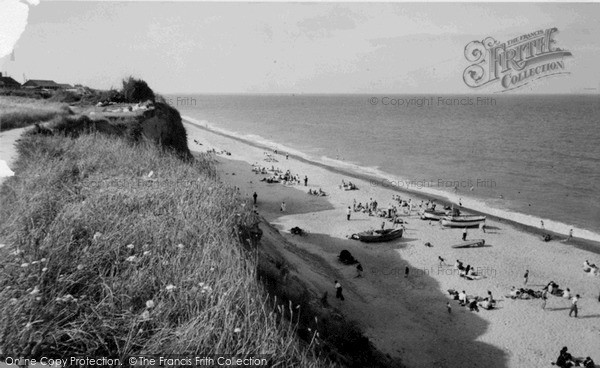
[(525, 157)]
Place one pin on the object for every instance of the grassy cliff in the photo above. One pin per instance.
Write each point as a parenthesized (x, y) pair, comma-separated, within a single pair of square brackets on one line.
[(117, 249)]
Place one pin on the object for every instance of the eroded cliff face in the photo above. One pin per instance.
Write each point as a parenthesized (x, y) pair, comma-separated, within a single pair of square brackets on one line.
[(162, 124)]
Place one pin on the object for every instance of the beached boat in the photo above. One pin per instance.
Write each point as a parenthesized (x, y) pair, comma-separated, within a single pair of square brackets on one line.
[(377, 236), (470, 243), (432, 215), (463, 221)]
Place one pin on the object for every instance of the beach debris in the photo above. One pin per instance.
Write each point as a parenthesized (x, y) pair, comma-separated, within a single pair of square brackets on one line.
[(297, 231)]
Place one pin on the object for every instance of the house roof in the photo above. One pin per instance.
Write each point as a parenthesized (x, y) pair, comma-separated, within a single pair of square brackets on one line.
[(8, 82), (40, 83)]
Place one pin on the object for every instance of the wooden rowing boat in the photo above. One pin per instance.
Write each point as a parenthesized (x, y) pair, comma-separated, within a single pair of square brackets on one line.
[(377, 236)]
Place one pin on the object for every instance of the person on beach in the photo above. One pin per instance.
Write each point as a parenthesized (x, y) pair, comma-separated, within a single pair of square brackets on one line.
[(570, 234), (305, 180), (254, 196), (542, 223), (462, 298), (282, 208), (448, 307), (287, 156), (567, 293), (544, 298), (406, 271), (338, 290), (482, 227), (348, 212), (526, 277), (573, 309), (442, 261), (359, 270), (382, 225), (464, 237)]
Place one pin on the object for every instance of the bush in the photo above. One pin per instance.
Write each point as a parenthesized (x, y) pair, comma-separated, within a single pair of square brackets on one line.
[(136, 90)]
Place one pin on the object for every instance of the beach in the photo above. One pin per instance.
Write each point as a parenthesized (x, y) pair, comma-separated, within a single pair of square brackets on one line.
[(407, 316)]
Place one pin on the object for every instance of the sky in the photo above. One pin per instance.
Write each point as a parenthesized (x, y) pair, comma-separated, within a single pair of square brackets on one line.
[(193, 47)]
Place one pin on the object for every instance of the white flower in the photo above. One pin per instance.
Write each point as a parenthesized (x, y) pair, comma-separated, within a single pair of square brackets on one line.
[(145, 315), (44, 269), (146, 252), (170, 287), (212, 268), (25, 265), (35, 291), (38, 298), (130, 246), (13, 301), (149, 304), (130, 259), (237, 330), (201, 284), (28, 325), (43, 260), (150, 174), (97, 235), (180, 246), (80, 267)]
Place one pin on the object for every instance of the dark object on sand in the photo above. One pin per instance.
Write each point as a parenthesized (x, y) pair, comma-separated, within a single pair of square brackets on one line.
[(376, 236), (297, 231), (428, 244), (547, 237), (346, 258), (470, 244)]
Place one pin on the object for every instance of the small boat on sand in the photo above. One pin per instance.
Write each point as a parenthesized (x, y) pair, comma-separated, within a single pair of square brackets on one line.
[(474, 243), (433, 215), (376, 236), (463, 221)]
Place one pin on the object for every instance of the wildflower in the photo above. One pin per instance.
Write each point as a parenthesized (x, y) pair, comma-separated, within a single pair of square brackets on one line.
[(212, 268), (170, 287), (35, 291), (149, 304), (145, 315), (13, 301), (237, 330), (180, 246), (43, 260), (38, 298), (80, 267), (150, 174), (130, 246), (28, 325), (130, 259), (146, 252), (25, 265), (44, 269), (201, 284), (97, 235)]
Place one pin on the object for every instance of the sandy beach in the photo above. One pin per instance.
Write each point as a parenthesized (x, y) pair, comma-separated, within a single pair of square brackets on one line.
[(407, 316)]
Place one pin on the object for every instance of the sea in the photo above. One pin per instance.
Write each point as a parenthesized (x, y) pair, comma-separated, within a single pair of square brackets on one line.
[(526, 158)]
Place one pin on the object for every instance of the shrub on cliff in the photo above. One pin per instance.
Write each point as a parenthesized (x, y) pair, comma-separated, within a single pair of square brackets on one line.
[(136, 90), (163, 125)]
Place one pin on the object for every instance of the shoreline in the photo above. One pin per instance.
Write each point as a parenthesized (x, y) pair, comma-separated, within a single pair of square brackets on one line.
[(580, 243), (406, 317)]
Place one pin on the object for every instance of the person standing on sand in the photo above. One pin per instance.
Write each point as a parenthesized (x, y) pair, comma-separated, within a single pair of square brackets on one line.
[(544, 298), (574, 301), (464, 234), (338, 290), (254, 196), (348, 212), (282, 209), (382, 225), (570, 235), (448, 307), (542, 223), (305, 180), (287, 156), (526, 277), (406, 271)]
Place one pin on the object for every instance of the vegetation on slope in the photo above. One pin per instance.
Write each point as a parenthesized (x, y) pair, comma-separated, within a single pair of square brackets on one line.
[(114, 249)]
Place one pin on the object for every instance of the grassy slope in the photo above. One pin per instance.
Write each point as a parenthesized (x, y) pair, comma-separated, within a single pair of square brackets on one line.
[(70, 285), (18, 112)]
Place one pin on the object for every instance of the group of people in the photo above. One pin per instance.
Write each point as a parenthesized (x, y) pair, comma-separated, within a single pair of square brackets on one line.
[(566, 360), (467, 272), (590, 268), (315, 192), (348, 186), (474, 303)]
